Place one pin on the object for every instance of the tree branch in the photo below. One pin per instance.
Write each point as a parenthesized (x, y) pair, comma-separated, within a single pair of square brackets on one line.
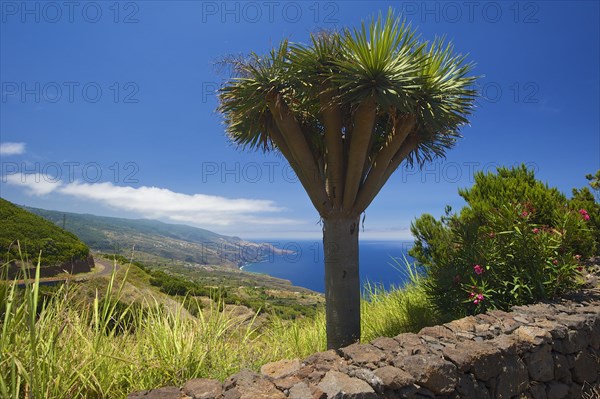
[(383, 170), (305, 163), (364, 121), (332, 120), (277, 138)]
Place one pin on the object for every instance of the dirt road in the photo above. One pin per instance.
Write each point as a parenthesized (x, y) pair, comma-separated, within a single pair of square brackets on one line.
[(103, 267)]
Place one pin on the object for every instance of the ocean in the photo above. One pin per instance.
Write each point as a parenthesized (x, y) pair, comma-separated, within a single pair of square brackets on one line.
[(305, 266)]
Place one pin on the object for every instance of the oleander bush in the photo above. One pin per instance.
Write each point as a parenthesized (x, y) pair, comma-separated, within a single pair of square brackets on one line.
[(516, 241), (584, 201)]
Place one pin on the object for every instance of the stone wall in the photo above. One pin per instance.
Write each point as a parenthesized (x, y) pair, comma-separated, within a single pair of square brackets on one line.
[(542, 351)]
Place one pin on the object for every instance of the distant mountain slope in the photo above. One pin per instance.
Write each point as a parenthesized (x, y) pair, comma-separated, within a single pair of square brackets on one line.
[(60, 249), (156, 240)]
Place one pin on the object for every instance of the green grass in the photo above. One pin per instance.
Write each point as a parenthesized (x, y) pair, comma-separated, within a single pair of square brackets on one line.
[(401, 309), (67, 345)]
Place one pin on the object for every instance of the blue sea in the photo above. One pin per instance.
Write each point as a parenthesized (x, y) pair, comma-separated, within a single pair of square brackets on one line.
[(381, 262)]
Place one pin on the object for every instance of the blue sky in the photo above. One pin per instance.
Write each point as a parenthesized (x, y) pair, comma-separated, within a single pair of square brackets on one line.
[(109, 108)]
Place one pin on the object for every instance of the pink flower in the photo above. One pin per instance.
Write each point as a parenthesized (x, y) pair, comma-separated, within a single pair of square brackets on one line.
[(492, 234), (555, 262), (584, 213), (579, 268), (471, 295), (478, 298), (536, 230), (577, 257), (478, 269), (524, 214)]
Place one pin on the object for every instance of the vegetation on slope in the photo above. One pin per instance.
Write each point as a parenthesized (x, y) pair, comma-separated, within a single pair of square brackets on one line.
[(158, 243), (34, 235), (77, 343), (287, 302)]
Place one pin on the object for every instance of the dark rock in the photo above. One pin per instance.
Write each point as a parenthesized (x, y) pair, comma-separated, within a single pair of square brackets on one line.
[(540, 364), (369, 377), (508, 345), (438, 332), (203, 388), (557, 390), (538, 391), (407, 392), (304, 391), (575, 391), (422, 393), (388, 345), (487, 318), (338, 385), (363, 353), (411, 344), (533, 336), (300, 391), (521, 319), (309, 374), (280, 369), (509, 324), (286, 383), (586, 368), (536, 309), (431, 372), (595, 333), (558, 331), (573, 321), (249, 385), (325, 361), (575, 341), (469, 387), (322, 357), (159, 393), (561, 367), (513, 379), (393, 378), (466, 324), (483, 360)]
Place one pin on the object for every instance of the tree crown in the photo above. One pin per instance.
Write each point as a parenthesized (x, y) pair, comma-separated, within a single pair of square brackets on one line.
[(350, 104)]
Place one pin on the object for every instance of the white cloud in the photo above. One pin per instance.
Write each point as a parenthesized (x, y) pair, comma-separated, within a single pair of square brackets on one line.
[(12, 148), (159, 203), (34, 183)]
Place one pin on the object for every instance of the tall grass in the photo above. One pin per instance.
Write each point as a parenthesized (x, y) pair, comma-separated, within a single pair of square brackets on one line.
[(67, 347), (399, 309), (83, 350)]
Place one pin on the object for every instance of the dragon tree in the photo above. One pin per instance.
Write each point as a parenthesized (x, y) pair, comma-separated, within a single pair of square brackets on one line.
[(346, 110)]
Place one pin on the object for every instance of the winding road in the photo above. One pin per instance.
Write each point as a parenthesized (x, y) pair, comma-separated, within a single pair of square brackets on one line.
[(102, 267)]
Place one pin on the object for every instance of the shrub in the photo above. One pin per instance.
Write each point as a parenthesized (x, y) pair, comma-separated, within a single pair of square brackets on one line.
[(583, 201), (515, 242)]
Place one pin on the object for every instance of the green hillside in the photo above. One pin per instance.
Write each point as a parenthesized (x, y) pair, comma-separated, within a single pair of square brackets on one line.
[(36, 234), (157, 243), (94, 230)]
